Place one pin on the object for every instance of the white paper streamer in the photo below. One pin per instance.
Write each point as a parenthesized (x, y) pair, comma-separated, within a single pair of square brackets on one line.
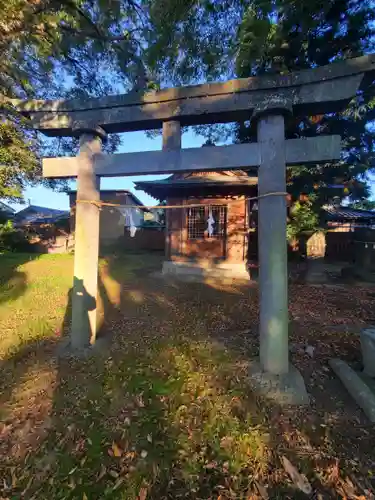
[(210, 222), (129, 220)]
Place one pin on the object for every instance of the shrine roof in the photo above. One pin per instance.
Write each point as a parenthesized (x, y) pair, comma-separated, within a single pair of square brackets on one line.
[(215, 181)]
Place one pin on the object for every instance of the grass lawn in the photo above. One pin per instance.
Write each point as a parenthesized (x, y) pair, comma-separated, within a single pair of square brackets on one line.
[(166, 411)]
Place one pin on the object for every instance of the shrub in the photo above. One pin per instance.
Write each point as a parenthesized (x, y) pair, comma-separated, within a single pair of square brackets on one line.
[(302, 218), (12, 239)]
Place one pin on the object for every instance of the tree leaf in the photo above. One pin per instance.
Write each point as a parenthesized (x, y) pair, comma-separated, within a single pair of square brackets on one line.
[(299, 480)]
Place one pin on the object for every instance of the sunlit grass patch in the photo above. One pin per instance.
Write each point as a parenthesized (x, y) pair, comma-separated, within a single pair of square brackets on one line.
[(33, 298), (170, 419), (165, 411), (159, 415)]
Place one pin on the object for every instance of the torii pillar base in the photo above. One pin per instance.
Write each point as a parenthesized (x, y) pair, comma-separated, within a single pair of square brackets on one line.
[(285, 389), (273, 376)]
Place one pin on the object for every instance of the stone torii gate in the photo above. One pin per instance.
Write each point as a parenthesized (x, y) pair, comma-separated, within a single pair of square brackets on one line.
[(265, 100)]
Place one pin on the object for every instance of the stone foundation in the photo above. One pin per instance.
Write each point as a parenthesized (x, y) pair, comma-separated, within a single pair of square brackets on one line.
[(286, 389), (207, 269)]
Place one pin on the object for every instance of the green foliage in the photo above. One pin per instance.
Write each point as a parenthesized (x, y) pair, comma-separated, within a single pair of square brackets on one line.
[(12, 239), (301, 34), (293, 35), (80, 48), (72, 49), (191, 41), (19, 162), (249, 38), (302, 217), (254, 35), (6, 229), (364, 205), (96, 43)]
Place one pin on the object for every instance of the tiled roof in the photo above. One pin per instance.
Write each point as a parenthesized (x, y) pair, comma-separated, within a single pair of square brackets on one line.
[(159, 188), (34, 214), (347, 213), (134, 200), (6, 208)]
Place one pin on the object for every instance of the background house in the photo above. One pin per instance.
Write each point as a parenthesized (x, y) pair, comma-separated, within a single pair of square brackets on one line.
[(48, 230), (342, 228), (43, 229), (346, 219), (6, 212), (114, 221), (36, 215)]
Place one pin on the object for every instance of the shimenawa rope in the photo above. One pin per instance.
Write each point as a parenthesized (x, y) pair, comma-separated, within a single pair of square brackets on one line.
[(155, 207)]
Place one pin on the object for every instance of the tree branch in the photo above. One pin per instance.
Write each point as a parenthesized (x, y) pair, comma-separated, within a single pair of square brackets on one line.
[(97, 36)]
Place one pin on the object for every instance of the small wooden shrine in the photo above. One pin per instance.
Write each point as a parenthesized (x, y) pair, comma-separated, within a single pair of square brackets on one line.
[(207, 232)]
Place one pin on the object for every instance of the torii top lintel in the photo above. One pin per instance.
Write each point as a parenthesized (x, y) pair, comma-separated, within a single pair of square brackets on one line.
[(312, 91)]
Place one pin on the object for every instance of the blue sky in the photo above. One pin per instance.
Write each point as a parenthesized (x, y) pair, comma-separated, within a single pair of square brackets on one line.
[(131, 142)]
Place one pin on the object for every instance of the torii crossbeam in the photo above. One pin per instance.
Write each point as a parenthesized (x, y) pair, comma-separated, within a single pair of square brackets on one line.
[(265, 100)]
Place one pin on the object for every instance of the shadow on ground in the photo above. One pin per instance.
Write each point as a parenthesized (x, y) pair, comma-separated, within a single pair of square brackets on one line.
[(13, 282), (166, 412)]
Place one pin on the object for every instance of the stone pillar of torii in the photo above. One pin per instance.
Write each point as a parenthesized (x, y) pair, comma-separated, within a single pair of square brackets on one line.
[(265, 100)]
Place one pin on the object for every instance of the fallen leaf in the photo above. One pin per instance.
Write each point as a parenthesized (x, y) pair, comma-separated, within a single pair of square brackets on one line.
[(102, 473), (118, 483), (309, 349), (117, 452), (142, 494), (27, 486), (144, 453), (299, 480), (262, 490)]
